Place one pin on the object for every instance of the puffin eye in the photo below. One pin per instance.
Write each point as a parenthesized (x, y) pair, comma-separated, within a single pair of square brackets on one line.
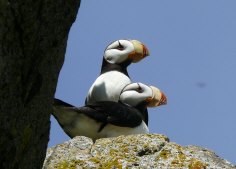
[(139, 89), (120, 47)]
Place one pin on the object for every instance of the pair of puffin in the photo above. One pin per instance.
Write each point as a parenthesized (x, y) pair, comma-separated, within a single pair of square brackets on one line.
[(114, 105)]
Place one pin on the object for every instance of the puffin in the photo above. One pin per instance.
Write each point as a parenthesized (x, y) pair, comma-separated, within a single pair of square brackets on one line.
[(114, 75), (108, 118), (141, 96)]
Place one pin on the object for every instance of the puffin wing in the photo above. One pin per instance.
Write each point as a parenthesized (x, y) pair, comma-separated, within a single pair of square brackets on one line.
[(118, 114), (66, 112)]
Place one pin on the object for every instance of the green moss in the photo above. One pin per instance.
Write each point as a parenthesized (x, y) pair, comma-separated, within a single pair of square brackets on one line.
[(13, 131), (27, 135)]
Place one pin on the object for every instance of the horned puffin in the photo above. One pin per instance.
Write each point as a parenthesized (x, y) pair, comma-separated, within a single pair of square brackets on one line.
[(141, 96), (108, 118), (114, 76)]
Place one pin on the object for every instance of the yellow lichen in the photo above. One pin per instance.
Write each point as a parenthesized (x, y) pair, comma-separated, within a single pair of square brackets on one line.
[(62, 165), (164, 154), (94, 159), (179, 161), (69, 164), (111, 164), (176, 163), (196, 164), (181, 156)]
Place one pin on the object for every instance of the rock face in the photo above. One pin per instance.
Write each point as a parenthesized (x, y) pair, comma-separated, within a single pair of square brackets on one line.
[(135, 151), (33, 38)]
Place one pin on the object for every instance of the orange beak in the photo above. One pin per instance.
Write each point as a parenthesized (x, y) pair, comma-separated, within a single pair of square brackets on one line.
[(145, 51), (163, 100), (157, 99), (140, 51)]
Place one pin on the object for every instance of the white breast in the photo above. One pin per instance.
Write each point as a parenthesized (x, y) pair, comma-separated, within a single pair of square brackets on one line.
[(115, 131), (107, 87), (88, 127)]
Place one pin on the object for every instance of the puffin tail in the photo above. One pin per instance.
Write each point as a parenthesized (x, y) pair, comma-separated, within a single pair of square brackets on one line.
[(65, 114), (60, 103)]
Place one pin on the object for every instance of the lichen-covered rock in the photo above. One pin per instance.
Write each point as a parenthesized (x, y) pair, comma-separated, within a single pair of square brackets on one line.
[(144, 151)]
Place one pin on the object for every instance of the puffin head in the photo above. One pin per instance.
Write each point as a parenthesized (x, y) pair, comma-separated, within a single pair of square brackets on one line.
[(136, 93), (125, 50)]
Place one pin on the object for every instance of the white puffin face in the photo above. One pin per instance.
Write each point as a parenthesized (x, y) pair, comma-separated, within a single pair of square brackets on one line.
[(118, 51), (136, 93)]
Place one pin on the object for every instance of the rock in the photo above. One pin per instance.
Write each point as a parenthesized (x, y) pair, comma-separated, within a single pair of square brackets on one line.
[(144, 151)]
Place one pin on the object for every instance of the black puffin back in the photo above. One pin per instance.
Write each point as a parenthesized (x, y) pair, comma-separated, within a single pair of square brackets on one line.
[(122, 67), (142, 107)]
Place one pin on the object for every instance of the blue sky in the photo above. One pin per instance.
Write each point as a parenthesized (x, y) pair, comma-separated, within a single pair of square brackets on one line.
[(193, 60)]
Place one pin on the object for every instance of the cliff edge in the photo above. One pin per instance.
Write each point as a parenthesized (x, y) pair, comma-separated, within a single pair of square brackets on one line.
[(133, 151)]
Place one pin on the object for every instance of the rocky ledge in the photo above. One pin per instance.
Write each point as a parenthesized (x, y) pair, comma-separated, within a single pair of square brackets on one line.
[(144, 151)]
